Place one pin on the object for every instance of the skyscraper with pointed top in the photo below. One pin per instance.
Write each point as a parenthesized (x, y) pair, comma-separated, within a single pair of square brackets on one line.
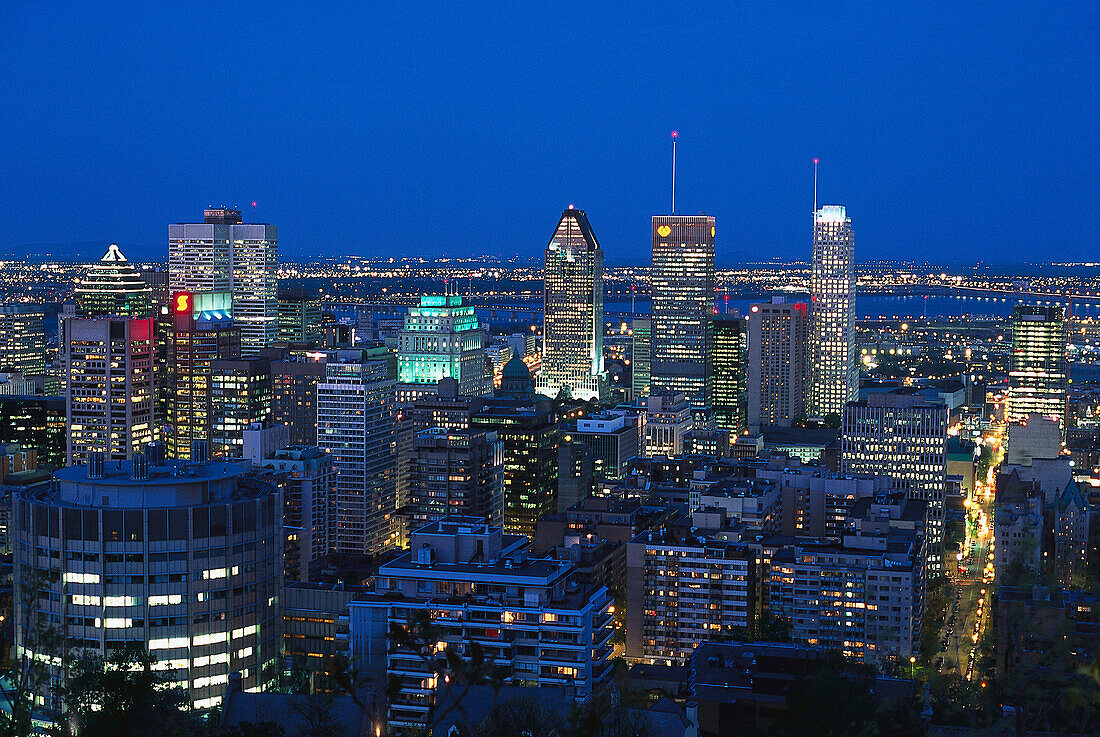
[(834, 377), (572, 356), (113, 287)]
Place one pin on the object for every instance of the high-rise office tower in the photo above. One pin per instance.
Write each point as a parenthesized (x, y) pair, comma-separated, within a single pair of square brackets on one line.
[(203, 331), (777, 350), (199, 624), (295, 401), (682, 296), (454, 472), (834, 377), (730, 372), (222, 254), (572, 327), (241, 394), (528, 437), (1037, 368), (356, 423), (299, 316), (442, 338), (113, 287), (22, 339), (309, 503), (39, 423), (641, 349), (109, 395), (903, 435)]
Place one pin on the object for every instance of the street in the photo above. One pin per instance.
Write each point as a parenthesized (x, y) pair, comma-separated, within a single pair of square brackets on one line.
[(967, 613)]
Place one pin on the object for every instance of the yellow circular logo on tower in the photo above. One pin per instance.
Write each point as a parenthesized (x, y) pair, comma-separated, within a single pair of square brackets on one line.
[(663, 231)]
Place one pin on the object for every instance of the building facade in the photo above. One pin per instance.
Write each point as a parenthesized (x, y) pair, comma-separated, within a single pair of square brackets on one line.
[(442, 338), (299, 317), (454, 472), (241, 395), (478, 584), (110, 386), (22, 339), (902, 435), (730, 372), (357, 424), (834, 376), (682, 590), (309, 503), (641, 356), (1037, 373), (528, 436), (181, 560), (777, 369), (668, 419), (682, 298), (572, 328), (35, 422), (203, 331), (223, 254)]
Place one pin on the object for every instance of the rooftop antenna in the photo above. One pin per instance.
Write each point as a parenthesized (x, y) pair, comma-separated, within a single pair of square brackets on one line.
[(675, 135), (815, 183)]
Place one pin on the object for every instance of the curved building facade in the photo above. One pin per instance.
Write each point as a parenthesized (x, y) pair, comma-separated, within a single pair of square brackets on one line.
[(183, 560)]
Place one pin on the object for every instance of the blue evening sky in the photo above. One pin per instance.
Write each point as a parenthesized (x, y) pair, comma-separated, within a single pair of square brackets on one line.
[(951, 130)]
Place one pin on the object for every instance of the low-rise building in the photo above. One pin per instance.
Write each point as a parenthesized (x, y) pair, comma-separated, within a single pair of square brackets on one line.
[(476, 584)]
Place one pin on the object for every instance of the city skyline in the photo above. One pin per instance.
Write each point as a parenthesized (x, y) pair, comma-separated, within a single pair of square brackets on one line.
[(1000, 115)]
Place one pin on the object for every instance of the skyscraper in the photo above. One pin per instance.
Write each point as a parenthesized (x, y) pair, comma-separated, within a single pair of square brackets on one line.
[(241, 394), (528, 435), (221, 254), (903, 435), (834, 377), (454, 472), (356, 423), (113, 287), (202, 332), (22, 339), (572, 355), (640, 356), (777, 337), (730, 372), (442, 338), (109, 392), (299, 316), (682, 294), (1037, 369)]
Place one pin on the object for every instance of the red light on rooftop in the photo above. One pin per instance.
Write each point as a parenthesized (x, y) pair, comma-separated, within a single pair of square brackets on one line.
[(675, 134), (816, 161), (253, 203)]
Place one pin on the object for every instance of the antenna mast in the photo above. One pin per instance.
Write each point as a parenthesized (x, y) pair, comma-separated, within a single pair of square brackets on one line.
[(675, 135), (815, 184)]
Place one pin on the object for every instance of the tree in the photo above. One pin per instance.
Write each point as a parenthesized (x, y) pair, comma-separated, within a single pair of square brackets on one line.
[(839, 699), (42, 642), (315, 711), (521, 717), (254, 729), (123, 697)]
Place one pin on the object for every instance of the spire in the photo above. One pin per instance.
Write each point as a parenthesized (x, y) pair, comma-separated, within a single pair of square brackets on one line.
[(113, 256)]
